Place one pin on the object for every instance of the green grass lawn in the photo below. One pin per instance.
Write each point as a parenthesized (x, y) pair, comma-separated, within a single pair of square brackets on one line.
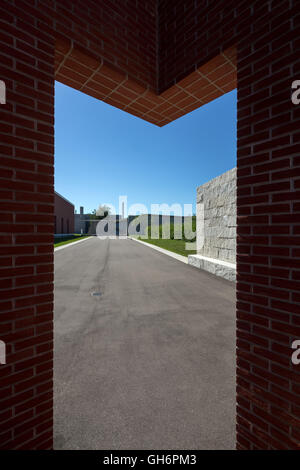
[(177, 246), (58, 241)]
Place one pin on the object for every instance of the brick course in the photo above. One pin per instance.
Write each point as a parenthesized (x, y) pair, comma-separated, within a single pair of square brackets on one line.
[(26, 181), (267, 309), (157, 60)]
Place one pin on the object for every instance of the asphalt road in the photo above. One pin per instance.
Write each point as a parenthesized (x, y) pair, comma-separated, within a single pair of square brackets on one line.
[(150, 362)]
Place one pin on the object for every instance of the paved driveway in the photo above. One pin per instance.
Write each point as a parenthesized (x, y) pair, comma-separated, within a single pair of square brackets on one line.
[(149, 363)]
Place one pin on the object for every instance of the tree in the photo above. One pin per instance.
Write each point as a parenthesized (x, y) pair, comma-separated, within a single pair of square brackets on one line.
[(103, 211)]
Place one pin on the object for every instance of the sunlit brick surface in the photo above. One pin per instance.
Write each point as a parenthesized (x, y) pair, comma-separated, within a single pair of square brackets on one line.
[(109, 84)]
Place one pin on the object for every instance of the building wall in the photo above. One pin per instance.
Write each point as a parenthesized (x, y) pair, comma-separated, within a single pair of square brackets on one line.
[(78, 223), (63, 215), (180, 50), (218, 198), (26, 227), (191, 33), (268, 271), (112, 52)]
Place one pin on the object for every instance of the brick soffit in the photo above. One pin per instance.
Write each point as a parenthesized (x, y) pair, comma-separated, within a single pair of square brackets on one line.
[(102, 80)]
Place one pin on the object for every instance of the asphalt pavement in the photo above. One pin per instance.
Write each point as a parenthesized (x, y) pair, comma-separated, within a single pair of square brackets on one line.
[(144, 351)]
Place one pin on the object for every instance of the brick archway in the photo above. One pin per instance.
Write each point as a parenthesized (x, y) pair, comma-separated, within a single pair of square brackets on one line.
[(106, 82), (157, 60)]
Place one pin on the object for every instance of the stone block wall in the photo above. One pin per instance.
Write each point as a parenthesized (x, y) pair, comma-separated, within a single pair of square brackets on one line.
[(218, 197)]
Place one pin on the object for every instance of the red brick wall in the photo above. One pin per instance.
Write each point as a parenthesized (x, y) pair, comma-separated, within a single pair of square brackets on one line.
[(193, 32), (63, 211), (123, 34), (268, 302), (26, 227), (136, 49)]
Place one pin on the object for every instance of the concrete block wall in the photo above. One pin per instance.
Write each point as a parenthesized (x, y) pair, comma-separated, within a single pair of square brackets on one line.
[(218, 197)]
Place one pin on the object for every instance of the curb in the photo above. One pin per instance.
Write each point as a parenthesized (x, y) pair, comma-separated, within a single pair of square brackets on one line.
[(71, 244)]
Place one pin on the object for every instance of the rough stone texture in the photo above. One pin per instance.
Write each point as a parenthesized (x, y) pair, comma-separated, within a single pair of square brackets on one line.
[(221, 269), (219, 199)]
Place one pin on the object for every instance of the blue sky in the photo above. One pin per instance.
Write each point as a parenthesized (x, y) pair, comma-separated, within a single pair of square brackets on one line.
[(102, 153)]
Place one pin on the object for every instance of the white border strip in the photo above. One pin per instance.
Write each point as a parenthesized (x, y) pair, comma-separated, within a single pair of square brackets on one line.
[(216, 261), (183, 259), (71, 244), (219, 268)]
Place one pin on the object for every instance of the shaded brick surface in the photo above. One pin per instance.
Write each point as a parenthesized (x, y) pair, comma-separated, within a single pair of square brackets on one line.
[(26, 227), (268, 219)]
